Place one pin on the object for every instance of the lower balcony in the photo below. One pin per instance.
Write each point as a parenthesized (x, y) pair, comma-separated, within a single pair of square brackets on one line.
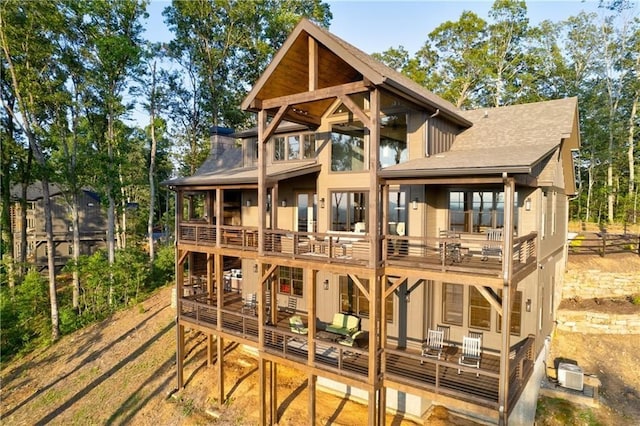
[(401, 368)]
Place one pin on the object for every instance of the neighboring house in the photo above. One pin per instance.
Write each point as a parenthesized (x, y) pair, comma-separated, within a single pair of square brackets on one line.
[(93, 225), (385, 203)]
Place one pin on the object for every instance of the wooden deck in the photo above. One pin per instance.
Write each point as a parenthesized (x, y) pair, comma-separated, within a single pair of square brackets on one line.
[(401, 367), (460, 255)]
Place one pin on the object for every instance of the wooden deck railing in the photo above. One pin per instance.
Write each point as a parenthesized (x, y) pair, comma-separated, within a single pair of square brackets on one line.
[(462, 254), (521, 365), (478, 386), (328, 355), (441, 377)]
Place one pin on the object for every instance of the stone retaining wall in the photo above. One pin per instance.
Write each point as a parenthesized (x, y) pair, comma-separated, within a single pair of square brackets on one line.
[(595, 283), (598, 322)]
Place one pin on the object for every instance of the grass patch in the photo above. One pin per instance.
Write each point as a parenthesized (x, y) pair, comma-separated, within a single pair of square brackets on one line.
[(577, 241), (560, 412)]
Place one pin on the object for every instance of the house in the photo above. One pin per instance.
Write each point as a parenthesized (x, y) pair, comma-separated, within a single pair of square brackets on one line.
[(93, 225), (363, 200)]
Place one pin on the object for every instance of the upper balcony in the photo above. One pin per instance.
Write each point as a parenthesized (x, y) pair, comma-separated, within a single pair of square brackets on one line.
[(461, 252)]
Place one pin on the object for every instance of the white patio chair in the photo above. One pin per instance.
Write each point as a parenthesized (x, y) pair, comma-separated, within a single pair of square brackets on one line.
[(471, 352), (432, 346)]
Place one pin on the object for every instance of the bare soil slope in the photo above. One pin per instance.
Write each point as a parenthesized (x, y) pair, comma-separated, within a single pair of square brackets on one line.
[(123, 371)]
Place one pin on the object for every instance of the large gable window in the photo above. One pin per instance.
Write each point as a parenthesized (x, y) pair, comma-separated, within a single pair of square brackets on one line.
[(393, 139), (348, 147)]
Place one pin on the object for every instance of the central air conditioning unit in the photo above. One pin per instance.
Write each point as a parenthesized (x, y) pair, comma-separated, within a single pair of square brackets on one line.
[(570, 376)]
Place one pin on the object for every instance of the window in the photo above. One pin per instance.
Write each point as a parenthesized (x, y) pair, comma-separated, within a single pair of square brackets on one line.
[(347, 147), (293, 147), (353, 301), (397, 209), (278, 149), (452, 303), (290, 281), (289, 147), (194, 206), (309, 149), (477, 211), (347, 209), (516, 314), (479, 310), (393, 139)]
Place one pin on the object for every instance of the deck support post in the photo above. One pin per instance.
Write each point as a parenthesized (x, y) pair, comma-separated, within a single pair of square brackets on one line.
[(262, 394), (210, 287), (311, 387), (220, 369), (274, 393), (180, 354)]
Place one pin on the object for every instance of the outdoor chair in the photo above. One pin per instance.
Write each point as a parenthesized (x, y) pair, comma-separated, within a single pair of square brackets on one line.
[(470, 353), (297, 326), (250, 303), (493, 245), (450, 250), (292, 305), (267, 302), (432, 347)]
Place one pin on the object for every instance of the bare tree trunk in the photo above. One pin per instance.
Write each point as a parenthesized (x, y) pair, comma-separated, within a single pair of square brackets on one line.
[(590, 184), (51, 266), (75, 220), (630, 151), (152, 164), (122, 234)]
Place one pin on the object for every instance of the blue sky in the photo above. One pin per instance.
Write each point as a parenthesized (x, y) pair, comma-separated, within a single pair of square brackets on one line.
[(376, 25)]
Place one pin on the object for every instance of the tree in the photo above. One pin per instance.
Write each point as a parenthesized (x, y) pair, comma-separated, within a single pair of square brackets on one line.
[(224, 47), (507, 61), (29, 36), (114, 36), (459, 50)]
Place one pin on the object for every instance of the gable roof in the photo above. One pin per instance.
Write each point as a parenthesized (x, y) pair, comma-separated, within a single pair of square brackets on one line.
[(510, 139), (287, 73), (34, 191)]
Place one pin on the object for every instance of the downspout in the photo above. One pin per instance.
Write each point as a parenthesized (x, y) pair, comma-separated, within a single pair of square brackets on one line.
[(427, 135), (507, 272)]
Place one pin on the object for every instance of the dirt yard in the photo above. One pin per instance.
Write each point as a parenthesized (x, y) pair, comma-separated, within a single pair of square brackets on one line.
[(122, 371)]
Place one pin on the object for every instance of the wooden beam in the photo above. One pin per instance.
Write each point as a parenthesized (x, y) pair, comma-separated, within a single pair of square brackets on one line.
[(444, 181), (220, 370), (273, 395), (491, 298), (262, 393), (183, 256), (374, 193), (461, 278), (180, 355), (348, 102), (396, 284), (360, 286), (273, 125), (268, 274), (313, 64), (262, 178), (311, 386), (316, 95)]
